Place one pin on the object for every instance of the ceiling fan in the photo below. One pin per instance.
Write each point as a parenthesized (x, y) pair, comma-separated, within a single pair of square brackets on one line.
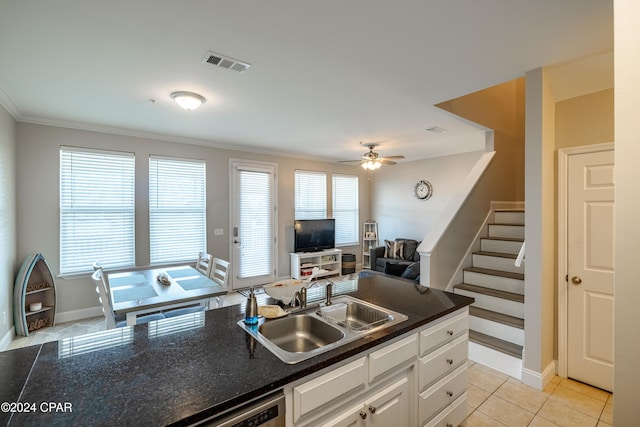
[(371, 160)]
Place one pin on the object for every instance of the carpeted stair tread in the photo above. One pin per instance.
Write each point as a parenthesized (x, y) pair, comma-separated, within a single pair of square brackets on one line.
[(503, 239), (506, 347), (507, 274), (505, 319), (496, 254), (491, 292)]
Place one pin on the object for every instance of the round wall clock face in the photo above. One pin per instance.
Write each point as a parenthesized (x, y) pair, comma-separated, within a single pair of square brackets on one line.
[(423, 190)]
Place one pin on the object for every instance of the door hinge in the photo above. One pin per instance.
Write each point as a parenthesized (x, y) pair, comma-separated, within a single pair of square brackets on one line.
[(566, 278)]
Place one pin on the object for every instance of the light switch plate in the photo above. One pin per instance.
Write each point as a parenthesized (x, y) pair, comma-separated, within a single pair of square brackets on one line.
[(218, 232)]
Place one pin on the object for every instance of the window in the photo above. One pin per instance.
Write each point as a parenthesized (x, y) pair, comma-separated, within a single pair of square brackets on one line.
[(97, 213), (177, 209), (310, 195), (345, 209)]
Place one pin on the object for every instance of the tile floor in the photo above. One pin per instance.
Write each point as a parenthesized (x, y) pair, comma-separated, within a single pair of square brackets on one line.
[(494, 399)]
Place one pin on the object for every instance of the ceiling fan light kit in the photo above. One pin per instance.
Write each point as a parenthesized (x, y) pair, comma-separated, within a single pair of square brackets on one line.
[(371, 160), (371, 165)]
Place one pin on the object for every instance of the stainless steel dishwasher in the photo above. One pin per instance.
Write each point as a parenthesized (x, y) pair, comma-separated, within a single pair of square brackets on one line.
[(267, 411)]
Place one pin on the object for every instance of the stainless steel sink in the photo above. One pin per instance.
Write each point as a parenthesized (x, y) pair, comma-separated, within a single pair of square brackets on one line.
[(301, 336)]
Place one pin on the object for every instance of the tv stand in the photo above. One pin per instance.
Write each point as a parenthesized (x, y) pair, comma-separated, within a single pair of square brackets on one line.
[(328, 261)]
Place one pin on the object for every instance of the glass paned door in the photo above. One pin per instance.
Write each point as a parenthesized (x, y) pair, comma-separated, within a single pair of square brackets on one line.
[(253, 228)]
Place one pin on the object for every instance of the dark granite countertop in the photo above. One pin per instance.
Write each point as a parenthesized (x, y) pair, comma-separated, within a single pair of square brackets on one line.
[(153, 379)]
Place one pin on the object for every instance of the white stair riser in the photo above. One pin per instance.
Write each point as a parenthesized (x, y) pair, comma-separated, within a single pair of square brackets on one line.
[(509, 231), (506, 217), (499, 305), (497, 330), (497, 263), (494, 282), (503, 246), (497, 360)]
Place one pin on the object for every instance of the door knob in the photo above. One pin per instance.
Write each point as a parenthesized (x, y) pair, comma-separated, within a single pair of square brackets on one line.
[(576, 280), (363, 415), (372, 409)]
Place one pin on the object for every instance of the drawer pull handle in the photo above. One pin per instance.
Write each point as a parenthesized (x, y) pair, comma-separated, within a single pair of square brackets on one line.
[(363, 415), (449, 393), (450, 361), (450, 332), (372, 409)]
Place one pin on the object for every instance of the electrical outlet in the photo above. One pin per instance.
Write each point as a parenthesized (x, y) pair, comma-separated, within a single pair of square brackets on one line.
[(218, 232)]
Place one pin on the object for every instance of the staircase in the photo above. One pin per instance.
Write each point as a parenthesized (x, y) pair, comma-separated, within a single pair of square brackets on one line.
[(496, 322)]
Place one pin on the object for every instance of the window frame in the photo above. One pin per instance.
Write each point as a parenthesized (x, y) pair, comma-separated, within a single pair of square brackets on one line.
[(162, 249), (86, 190), (337, 209), (318, 189)]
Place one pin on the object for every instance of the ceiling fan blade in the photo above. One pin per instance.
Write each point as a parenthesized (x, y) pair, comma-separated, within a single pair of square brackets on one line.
[(349, 161), (386, 162), (394, 157)]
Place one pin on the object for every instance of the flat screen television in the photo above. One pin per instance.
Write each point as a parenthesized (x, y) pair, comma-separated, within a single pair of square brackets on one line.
[(313, 235)]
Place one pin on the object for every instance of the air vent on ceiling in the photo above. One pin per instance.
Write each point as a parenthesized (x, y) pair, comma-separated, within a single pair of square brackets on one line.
[(226, 62), (436, 129)]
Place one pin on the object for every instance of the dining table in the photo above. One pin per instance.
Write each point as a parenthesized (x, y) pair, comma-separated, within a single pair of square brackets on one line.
[(141, 291)]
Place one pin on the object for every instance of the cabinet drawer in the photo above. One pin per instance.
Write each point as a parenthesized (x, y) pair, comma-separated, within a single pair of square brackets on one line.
[(442, 394), (452, 416), (319, 391), (437, 335), (384, 360), (442, 361)]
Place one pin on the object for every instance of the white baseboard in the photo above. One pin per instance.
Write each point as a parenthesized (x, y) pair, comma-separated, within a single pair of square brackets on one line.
[(84, 313), (7, 338), (494, 359), (539, 380)]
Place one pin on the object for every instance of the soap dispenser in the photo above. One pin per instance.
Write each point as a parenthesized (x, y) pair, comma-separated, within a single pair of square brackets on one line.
[(251, 311)]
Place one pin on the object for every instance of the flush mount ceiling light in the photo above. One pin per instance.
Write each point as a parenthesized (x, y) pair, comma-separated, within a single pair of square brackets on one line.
[(188, 100)]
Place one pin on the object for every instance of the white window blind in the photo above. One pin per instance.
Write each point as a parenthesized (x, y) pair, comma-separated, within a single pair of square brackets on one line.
[(345, 209), (310, 195), (255, 231), (177, 209), (97, 209)]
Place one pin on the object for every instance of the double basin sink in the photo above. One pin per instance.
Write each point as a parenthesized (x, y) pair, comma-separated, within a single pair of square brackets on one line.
[(310, 332)]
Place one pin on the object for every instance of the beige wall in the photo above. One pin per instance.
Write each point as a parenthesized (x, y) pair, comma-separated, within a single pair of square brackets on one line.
[(8, 262), (500, 108), (585, 120), (626, 377), (38, 219), (394, 205)]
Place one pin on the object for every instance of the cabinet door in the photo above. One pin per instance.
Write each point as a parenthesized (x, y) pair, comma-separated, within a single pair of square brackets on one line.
[(390, 407), (352, 417)]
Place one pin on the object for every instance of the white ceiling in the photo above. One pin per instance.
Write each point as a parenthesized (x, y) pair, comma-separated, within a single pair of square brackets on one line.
[(324, 75)]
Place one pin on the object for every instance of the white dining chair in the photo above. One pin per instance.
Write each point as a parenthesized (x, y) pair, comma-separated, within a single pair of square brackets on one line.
[(220, 270), (114, 321), (205, 263), (219, 274)]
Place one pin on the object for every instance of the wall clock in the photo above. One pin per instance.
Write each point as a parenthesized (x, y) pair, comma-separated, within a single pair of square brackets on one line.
[(423, 190)]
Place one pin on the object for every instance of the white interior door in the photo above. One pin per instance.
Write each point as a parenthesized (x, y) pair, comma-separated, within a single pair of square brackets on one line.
[(253, 228), (590, 243)]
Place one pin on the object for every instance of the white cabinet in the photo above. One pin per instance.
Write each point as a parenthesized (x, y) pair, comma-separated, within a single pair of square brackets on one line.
[(442, 371), (418, 379), (389, 407), (369, 241), (329, 262)]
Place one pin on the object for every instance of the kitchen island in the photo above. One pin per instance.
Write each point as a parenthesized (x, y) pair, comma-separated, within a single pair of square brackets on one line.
[(151, 375)]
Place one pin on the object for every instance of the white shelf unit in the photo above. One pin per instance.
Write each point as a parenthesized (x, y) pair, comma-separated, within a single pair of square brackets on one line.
[(328, 261), (369, 241)]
